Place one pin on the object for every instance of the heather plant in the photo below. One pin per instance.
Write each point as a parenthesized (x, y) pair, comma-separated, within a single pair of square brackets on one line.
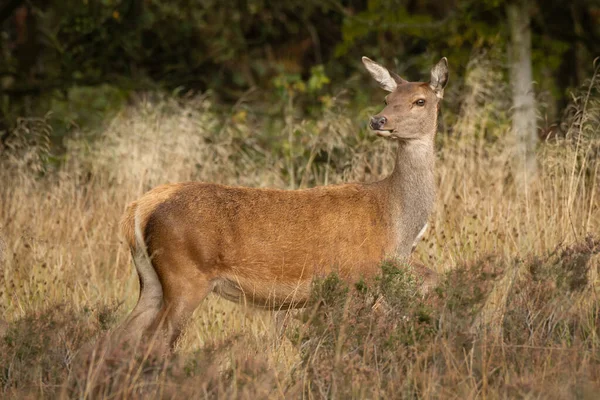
[(515, 313)]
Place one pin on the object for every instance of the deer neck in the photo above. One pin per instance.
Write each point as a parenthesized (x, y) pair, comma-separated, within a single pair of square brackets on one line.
[(411, 189)]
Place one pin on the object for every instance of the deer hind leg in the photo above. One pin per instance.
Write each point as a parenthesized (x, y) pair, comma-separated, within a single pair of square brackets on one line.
[(177, 309), (149, 302), (184, 287), (171, 288)]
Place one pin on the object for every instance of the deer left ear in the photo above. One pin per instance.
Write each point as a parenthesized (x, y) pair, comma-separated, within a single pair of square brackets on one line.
[(439, 77), (386, 79)]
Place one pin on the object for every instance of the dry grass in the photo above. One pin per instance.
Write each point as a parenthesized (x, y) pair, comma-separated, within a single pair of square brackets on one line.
[(516, 314)]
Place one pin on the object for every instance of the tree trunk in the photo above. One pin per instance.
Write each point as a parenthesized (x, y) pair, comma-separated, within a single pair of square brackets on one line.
[(521, 79)]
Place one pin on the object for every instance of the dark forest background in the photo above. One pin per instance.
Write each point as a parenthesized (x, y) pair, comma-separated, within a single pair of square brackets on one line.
[(83, 59)]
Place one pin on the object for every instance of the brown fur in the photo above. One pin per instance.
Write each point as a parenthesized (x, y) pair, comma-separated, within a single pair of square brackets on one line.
[(127, 225), (265, 246)]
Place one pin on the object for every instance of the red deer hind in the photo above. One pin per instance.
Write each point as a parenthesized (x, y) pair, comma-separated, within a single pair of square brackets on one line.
[(265, 246)]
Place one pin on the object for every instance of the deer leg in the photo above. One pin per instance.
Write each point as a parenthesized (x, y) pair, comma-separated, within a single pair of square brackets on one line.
[(284, 318), (281, 319), (428, 278), (180, 299), (184, 285), (149, 302)]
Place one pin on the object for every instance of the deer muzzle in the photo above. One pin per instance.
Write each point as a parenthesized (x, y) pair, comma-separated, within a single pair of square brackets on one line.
[(377, 123)]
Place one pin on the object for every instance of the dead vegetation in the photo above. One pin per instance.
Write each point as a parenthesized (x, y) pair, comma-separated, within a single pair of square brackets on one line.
[(516, 313)]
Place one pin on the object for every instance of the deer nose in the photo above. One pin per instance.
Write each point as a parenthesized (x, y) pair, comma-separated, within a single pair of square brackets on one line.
[(378, 122)]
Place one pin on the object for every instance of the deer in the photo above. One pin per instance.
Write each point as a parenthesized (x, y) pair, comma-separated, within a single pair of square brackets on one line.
[(265, 247)]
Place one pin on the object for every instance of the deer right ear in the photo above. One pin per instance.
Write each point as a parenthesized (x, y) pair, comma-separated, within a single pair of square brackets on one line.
[(439, 77), (387, 80)]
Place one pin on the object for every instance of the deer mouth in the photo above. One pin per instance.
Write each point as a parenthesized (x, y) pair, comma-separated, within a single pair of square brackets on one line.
[(384, 133)]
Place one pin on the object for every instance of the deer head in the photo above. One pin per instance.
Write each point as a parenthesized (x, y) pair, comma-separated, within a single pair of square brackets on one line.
[(411, 107)]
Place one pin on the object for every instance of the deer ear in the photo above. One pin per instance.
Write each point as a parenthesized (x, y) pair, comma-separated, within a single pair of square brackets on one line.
[(387, 80), (439, 77)]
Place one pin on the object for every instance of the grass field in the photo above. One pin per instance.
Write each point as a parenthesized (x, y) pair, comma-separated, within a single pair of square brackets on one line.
[(517, 312)]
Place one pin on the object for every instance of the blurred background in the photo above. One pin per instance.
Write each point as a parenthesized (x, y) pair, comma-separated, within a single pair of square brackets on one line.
[(83, 59), (101, 100)]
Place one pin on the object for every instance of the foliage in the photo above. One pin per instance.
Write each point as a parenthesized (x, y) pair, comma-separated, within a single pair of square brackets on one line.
[(347, 347), (515, 313), (50, 49)]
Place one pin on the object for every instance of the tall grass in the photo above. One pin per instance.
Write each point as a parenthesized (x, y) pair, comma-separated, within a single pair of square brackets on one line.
[(516, 313)]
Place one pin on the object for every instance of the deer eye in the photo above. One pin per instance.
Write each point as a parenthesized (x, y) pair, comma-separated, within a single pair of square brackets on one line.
[(420, 102), (385, 101)]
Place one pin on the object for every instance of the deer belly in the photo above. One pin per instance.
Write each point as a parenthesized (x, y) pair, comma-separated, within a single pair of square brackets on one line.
[(263, 293)]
